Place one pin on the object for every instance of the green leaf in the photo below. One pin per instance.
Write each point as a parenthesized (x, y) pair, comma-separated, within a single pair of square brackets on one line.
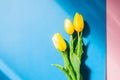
[(75, 62), (63, 70), (76, 65)]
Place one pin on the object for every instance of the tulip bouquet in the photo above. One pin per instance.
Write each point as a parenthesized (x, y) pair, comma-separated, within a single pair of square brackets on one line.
[(71, 53)]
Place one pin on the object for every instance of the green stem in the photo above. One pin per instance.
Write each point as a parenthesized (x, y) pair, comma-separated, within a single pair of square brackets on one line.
[(71, 54), (71, 44), (79, 52)]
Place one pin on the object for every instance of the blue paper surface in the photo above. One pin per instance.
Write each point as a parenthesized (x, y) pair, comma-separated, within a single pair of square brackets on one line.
[(26, 29)]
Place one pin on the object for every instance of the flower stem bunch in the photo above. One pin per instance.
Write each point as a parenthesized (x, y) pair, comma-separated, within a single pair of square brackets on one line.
[(72, 52)]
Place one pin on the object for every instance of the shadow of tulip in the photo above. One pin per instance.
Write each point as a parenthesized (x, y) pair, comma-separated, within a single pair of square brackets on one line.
[(85, 70), (86, 31)]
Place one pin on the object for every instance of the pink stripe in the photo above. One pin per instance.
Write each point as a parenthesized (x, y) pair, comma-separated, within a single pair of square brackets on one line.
[(113, 40)]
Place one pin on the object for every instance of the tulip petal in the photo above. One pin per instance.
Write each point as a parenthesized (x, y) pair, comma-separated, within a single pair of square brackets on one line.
[(78, 22), (69, 28)]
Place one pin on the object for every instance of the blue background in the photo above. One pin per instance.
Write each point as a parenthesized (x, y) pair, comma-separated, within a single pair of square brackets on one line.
[(26, 29)]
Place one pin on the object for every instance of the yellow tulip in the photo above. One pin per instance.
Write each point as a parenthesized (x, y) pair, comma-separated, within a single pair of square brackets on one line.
[(78, 22), (59, 42), (69, 28)]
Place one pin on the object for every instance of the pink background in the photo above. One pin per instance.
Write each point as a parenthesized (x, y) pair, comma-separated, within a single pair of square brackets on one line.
[(113, 40)]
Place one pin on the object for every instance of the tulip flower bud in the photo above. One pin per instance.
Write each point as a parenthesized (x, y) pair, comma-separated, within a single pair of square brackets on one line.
[(78, 22), (69, 28), (59, 42)]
